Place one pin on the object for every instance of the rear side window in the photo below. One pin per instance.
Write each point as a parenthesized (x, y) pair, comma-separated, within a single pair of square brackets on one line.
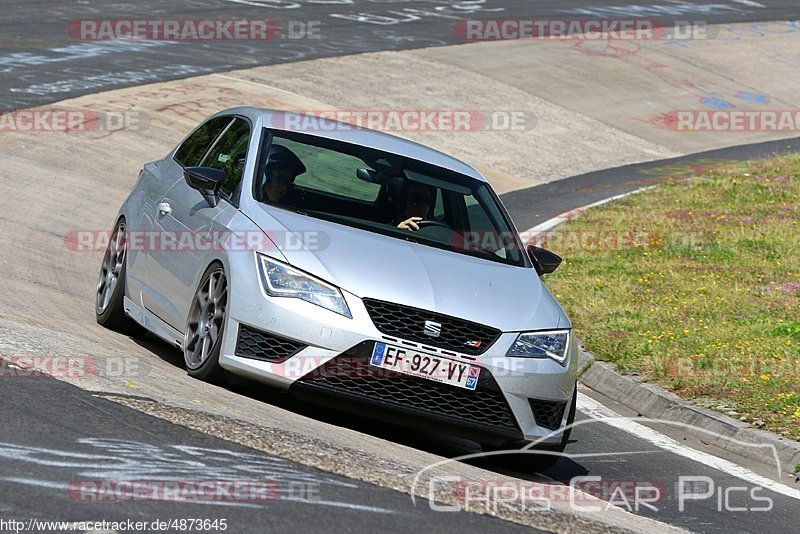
[(193, 149)]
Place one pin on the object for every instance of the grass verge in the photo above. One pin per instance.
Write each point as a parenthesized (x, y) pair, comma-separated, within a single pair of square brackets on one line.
[(696, 285)]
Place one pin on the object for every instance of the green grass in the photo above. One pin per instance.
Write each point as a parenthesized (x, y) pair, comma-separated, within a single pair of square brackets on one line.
[(707, 303)]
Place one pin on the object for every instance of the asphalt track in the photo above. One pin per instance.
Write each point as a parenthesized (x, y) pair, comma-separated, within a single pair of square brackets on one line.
[(40, 64), (57, 436), (61, 439), (622, 460), (535, 205)]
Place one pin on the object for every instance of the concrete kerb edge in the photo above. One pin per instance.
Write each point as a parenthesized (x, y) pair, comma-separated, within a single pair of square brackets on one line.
[(653, 401)]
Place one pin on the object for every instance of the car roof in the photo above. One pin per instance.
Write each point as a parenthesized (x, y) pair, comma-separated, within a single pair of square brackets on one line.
[(358, 136)]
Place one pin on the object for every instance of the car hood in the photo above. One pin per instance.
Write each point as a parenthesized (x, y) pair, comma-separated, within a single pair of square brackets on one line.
[(371, 265)]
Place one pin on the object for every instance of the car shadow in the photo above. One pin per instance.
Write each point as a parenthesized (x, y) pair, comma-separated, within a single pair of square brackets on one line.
[(435, 443), (160, 348)]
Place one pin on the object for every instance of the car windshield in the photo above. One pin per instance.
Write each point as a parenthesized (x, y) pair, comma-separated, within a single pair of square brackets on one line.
[(385, 193)]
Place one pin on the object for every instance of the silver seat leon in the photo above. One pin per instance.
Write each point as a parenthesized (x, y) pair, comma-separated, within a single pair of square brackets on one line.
[(350, 267)]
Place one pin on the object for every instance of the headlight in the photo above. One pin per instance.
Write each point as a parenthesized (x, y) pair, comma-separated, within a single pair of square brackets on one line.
[(550, 344), (281, 280)]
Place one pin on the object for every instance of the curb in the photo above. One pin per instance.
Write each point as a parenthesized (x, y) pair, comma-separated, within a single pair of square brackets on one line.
[(571, 214), (652, 401), (655, 402)]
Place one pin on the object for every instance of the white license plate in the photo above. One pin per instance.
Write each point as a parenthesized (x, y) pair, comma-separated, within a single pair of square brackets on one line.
[(436, 368)]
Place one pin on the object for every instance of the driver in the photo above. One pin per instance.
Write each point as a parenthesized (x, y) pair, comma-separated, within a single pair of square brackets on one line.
[(418, 199)]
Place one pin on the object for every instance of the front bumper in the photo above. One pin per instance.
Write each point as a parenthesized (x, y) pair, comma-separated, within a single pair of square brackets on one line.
[(303, 348)]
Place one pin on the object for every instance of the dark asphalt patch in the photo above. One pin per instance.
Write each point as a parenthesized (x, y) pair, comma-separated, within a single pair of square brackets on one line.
[(41, 63), (534, 205), (59, 444)]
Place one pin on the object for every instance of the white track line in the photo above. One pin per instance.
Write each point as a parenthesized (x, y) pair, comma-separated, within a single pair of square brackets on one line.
[(571, 214), (258, 84), (749, 3), (602, 413)]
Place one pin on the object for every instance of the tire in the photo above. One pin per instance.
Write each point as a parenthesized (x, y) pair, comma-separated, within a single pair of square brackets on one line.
[(205, 326), (528, 461), (109, 305)]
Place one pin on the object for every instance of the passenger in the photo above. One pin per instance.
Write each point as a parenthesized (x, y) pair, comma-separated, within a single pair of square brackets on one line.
[(282, 168)]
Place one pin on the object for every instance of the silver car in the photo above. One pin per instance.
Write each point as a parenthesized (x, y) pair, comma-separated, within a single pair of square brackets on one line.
[(351, 267)]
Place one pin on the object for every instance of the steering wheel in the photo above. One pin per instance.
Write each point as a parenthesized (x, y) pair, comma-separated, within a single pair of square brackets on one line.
[(430, 223)]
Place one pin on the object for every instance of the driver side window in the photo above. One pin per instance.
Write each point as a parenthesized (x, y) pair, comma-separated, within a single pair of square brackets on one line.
[(229, 154), (195, 147)]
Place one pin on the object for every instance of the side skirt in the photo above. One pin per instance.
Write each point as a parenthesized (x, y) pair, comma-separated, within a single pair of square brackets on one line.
[(153, 323)]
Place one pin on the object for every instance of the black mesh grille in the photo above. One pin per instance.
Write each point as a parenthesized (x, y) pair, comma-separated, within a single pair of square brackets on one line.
[(409, 323), (548, 414), (253, 343), (350, 374)]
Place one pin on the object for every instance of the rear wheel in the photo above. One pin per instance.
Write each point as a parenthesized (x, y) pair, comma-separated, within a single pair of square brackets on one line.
[(205, 325), (537, 458), (110, 295)]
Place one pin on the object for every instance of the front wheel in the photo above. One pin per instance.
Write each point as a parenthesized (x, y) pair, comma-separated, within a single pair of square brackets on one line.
[(109, 305), (205, 326)]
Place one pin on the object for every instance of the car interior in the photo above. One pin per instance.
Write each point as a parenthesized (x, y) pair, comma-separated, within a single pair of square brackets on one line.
[(366, 190)]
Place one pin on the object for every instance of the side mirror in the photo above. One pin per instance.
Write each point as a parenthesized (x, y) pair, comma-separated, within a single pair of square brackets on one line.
[(544, 261), (206, 180)]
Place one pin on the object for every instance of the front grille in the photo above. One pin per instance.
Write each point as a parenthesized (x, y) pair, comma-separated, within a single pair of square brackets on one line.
[(351, 375), (258, 345), (548, 414), (409, 323)]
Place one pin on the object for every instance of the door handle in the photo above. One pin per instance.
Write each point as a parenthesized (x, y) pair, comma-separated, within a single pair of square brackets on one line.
[(164, 209)]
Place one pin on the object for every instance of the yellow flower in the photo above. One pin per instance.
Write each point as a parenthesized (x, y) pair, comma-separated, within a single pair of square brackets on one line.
[(766, 377)]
